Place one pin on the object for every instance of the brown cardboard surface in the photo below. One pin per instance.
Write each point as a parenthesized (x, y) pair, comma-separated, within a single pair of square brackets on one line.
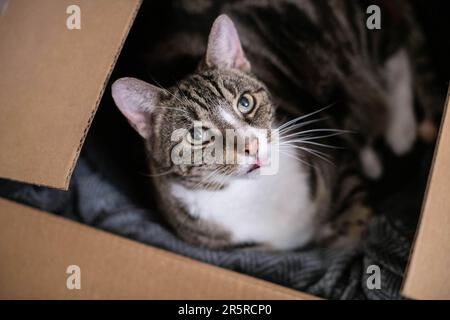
[(51, 82), (428, 275), (36, 248)]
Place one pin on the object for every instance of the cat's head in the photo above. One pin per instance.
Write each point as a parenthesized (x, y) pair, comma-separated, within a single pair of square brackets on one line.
[(197, 118)]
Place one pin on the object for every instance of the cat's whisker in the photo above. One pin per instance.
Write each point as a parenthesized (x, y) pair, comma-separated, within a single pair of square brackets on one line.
[(181, 91), (206, 179), (311, 143), (159, 174), (173, 95), (212, 179), (175, 109), (312, 137), (316, 130), (223, 175), (316, 153), (309, 139), (304, 116), (300, 125), (322, 157), (296, 157), (310, 149), (167, 90), (180, 112)]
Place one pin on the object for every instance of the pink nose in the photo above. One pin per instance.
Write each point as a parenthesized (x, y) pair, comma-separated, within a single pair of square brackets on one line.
[(251, 148)]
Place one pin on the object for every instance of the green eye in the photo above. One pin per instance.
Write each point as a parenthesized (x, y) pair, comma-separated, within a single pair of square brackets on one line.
[(246, 103), (198, 136)]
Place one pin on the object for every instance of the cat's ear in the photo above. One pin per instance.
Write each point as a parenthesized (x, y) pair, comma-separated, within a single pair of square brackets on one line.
[(137, 100), (224, 47)]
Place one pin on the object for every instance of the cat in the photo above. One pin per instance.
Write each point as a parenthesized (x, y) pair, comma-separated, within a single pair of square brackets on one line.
[(232, 204)]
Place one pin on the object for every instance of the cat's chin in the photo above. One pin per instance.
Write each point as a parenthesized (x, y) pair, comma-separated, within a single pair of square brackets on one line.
[(251, 172), (253, 168)]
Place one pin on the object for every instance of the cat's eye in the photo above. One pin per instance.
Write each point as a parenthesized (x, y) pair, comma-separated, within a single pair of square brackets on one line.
[(198, 136), (246, 103)]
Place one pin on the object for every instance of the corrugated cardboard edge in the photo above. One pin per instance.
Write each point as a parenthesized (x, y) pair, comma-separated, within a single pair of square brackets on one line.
[(114, 28), (404, 289), (36, 248), (100, 94)]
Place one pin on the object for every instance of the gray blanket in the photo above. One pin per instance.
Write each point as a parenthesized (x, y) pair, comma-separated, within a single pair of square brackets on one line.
[(104, 203)]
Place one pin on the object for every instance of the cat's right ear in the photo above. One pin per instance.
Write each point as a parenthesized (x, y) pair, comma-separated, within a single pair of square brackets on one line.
[(137, 100), (224, 47)]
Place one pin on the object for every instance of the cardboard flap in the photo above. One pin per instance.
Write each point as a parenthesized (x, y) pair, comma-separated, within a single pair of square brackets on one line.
[(428, 275), (37, 248), (52, 79)]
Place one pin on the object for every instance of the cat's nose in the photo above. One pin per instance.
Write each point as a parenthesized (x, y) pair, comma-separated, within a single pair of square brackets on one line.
[(251, 147)]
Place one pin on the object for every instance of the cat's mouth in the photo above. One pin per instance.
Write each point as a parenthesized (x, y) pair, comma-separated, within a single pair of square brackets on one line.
[(253, 168)]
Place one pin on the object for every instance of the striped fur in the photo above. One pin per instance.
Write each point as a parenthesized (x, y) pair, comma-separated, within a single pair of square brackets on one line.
[(304, 55)]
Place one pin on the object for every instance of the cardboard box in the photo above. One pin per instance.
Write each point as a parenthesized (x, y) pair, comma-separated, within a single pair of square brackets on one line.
[(428, 273), (36, 249), (52, 81)]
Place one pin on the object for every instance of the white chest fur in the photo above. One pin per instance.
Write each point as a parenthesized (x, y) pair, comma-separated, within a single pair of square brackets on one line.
[(275, 210)]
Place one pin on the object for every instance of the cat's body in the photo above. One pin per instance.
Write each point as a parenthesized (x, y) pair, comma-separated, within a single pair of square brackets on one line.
[(322, 54), (275, 209)]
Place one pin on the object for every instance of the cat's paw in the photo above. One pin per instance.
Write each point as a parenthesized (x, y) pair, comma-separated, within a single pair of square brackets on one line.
[(401, 131), (350, 227), (371, 163), (402, 134)]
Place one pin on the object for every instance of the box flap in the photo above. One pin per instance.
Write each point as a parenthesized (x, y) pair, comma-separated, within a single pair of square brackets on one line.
[(36, 249), (428, 275), (52, 79)]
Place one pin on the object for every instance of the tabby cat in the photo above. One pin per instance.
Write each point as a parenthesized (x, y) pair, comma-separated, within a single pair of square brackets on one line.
[(362, 90)]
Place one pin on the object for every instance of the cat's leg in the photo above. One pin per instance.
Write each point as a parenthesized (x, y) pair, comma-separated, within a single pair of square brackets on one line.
[(349, 212), (401, 131)]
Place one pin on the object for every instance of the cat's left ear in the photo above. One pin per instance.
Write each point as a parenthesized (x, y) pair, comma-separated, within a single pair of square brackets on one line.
[(137, 100), (224, 47)]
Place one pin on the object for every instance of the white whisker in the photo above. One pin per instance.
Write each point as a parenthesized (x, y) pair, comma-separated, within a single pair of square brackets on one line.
[(311, 143), (207, 179), (300, 125), (316, 153), (290, 155), (304, 116), (159, 174), (316, 130)]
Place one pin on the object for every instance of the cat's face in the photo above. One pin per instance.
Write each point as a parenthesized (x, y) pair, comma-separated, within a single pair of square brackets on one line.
[(214, 125)]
